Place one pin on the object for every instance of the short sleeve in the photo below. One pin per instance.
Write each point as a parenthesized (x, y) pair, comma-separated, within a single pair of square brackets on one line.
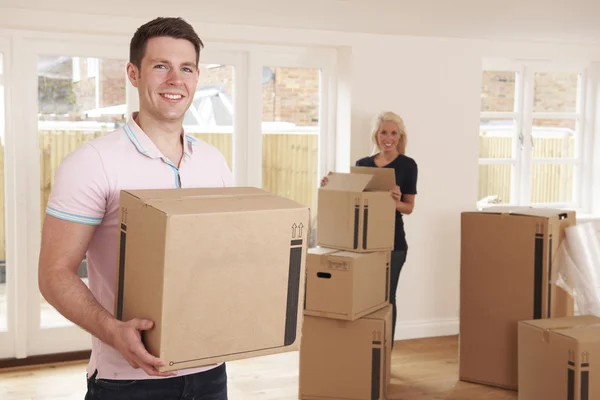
[(409, 184), (79, 192), (226, 174), (363, 162)]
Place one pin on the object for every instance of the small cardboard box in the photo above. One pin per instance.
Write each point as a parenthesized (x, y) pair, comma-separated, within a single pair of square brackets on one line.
[(356, 211), (558, 357), (346, 285), (221, 272), (346, 359), (506, 271)]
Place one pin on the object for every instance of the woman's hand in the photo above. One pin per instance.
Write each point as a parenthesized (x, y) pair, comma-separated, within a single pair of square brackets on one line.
[(396, 194), (325, 180)]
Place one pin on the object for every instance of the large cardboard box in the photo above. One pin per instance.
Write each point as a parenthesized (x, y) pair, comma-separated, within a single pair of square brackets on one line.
[(558, 358), (349, 360), (221, 272), (506, 271), (356, 210), (346, 285)]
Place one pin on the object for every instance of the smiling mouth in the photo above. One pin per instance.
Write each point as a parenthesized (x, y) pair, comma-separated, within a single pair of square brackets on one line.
[(171, 96)]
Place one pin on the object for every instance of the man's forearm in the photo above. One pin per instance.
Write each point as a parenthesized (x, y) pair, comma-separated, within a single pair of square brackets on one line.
[(66, 292)]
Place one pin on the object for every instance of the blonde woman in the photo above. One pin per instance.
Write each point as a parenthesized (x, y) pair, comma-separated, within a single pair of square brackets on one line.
[(389, 137)]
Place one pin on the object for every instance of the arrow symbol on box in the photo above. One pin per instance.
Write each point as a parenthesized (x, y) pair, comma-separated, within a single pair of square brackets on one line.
[(300, 229), (294, 230)]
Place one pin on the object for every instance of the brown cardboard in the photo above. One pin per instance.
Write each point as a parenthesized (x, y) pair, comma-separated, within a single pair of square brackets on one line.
[(346, 285), (506, 258), (221, 272), (558, 358), (356, 211), (346, 360)]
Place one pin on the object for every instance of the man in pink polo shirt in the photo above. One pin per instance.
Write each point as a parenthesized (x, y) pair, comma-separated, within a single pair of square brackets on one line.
[(150, 151)]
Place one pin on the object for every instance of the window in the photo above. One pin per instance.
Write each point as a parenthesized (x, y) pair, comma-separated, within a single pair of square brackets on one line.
[(531, 135), (291, 104)]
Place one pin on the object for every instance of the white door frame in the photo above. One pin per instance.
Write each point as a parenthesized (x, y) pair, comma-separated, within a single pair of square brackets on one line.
[(8, 347), (61, 339), (323, 59)]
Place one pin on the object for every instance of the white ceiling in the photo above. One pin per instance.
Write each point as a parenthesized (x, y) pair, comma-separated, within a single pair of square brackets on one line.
[(575, 21)]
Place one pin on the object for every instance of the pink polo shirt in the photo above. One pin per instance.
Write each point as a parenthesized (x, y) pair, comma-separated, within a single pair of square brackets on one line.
[(86, 190)]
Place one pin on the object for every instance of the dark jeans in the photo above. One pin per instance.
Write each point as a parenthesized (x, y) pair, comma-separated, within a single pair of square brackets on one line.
[(207, 385), (398, 260)]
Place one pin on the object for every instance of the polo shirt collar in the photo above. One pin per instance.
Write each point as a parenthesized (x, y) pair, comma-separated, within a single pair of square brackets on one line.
[(146, 146)]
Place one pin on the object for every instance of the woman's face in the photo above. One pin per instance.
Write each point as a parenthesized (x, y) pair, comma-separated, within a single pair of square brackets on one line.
[(388, 137)]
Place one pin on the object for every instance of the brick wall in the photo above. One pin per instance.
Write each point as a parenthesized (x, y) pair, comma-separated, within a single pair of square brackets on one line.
[(292, 96), (222, 74), (553, 92), (113, 77)]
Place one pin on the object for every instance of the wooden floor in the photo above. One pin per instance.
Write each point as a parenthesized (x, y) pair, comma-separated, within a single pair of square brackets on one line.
[(421, 369)]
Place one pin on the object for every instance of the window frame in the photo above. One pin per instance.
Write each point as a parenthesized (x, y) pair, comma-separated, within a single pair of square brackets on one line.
[(523, 161)]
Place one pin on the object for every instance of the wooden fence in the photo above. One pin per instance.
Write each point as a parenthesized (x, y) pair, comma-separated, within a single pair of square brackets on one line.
[(290, 166), (549, 182)]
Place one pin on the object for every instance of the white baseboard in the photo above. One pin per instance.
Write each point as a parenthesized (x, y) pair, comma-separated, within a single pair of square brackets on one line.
[(427, 328)]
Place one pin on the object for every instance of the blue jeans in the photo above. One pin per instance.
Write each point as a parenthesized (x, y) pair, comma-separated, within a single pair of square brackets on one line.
[(398, 260), (207, 385)]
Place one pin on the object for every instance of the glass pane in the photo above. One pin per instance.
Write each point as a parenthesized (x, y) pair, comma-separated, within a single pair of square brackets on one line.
[(3, 298), (210, 117), (290, 131), (554, 138), (552, 183), (494, 184), (555, 92), (496, 138), (79, 99), (498, 91)]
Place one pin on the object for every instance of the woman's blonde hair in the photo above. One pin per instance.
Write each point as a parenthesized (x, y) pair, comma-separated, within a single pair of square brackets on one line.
[(396, 119)]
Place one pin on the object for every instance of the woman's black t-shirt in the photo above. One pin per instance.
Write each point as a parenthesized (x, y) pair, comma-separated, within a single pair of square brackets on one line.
[(406, 172)]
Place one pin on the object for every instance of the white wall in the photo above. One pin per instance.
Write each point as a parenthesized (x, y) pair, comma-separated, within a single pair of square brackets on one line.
[(435, 85)]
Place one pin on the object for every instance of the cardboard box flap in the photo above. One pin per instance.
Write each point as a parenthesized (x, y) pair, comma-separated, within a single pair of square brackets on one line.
[(222, 204), (348, 254), (150, 194), (584, 328), (347, 182), (527, 211), (379, 315), (563, 322), (384, 179), (582, 333), (321, 251)]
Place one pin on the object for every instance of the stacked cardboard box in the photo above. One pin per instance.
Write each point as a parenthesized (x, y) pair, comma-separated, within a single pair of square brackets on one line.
[(346, 335), (507, 276), (558, 358)]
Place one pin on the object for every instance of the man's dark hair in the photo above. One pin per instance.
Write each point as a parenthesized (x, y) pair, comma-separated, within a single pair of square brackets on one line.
[(172, 27)]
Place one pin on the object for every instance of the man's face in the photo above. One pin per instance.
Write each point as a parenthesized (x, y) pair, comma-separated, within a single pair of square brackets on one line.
[(168, 78)]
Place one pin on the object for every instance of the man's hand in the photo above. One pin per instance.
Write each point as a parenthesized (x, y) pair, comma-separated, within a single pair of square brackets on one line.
[(324, 180), (126, 338)]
